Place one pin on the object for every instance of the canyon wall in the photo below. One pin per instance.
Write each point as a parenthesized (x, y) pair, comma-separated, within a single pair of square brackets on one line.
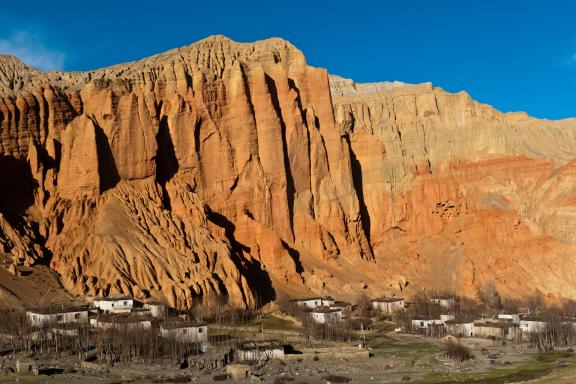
[(230, 171)]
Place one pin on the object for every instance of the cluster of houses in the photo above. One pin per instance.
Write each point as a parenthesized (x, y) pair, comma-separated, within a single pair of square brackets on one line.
[(505, 326), (324, 309), (125, 313), (122, 313)]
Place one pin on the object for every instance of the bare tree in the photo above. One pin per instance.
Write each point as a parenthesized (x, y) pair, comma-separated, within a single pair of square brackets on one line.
[(490, 296)]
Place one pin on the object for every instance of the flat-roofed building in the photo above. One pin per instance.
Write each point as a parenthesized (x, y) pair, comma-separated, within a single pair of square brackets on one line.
[(460, 327), (121, 321), (502, 329), (444, 301), (259, 351), (157, 308), (515, 317), (118, 304), (389, 305), (313, 302), (532, 324), (185, 331), (57, 314), (326, 315)]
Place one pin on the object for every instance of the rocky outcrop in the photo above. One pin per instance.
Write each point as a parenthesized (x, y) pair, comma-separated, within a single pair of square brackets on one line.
[(458, 193), (236, 171)]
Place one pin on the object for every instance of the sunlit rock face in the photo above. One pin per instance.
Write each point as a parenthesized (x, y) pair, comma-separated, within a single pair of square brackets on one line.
[(229, 171)]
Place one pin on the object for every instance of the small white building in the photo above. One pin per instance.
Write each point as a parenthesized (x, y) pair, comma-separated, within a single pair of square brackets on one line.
[(389, 304), (510, 316), (532, 324), (259, 351), (460, 327), (326, 315), (422, 323), (121, 321), (186, 332), (444, 318), (157, 309), (313, 302), (121, 304), (57, 314), (444, 301)]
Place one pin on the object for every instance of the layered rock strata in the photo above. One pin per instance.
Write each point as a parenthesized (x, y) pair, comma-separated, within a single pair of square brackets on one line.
[(235, 172)]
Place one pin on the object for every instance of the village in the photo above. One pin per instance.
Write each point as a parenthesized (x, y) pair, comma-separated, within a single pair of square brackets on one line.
[(387, 339)]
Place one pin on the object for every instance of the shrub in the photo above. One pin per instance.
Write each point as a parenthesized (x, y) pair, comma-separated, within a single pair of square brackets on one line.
[(457, 352), (336, 379)]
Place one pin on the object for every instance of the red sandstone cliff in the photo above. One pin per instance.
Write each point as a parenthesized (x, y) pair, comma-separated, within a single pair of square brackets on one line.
[(235, 170)]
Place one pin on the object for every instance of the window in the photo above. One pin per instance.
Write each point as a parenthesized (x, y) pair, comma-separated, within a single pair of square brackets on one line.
[(112, 305), (59, 317), (125, 303), (184, 331), (200, 330), (77, 316), (421, 323)]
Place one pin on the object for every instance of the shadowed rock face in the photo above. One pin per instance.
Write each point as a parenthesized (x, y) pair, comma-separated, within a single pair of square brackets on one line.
[(236, 171)]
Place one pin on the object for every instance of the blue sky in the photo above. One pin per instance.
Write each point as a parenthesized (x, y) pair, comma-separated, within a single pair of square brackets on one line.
[(515, 55)]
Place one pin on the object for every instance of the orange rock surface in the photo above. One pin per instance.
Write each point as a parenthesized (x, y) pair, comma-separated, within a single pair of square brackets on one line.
[(236, 171)]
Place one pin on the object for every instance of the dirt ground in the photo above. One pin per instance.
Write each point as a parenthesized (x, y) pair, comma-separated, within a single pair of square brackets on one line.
[(394, 359), (40, 287)]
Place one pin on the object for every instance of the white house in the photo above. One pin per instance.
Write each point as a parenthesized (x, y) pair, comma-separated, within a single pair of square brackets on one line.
[(313, 302), (444, 301), (389, 304), (421, 323), (460, 327), (121, 321), (532, 324), (326, 315), (157, 309), (121, 304), (57, 314), (257, 351), (183, 331)]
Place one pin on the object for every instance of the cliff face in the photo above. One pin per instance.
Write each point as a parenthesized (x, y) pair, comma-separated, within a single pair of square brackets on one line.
[(236, 171), (457, 193)]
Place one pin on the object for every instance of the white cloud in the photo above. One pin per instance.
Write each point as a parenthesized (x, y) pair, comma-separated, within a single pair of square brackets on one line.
[(28, 48)]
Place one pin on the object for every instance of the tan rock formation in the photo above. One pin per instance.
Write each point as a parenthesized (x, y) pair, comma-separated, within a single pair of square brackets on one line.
[(236, 171)]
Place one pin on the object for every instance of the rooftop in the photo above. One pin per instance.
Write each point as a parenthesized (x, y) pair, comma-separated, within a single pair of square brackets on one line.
[(113, 298), (326, 310), (58, 308), (315, 298), (181, 324), (426, 317), (532, 318), (342, 303), (122, 318), (269, 344), (495, 323), (460, 320), (388, 300), (443, 297)]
